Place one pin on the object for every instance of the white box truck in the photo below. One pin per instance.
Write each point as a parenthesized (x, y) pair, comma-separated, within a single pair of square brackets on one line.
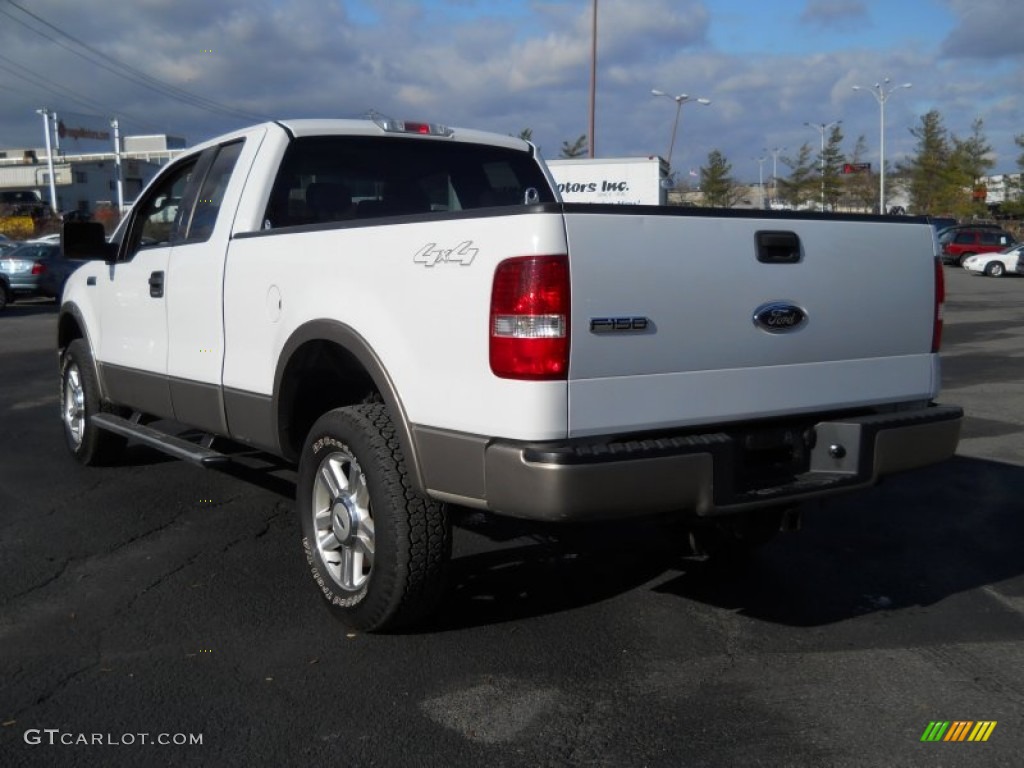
[(620, 180)]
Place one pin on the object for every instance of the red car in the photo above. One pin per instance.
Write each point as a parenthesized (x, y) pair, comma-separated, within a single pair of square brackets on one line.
[(959, 242)]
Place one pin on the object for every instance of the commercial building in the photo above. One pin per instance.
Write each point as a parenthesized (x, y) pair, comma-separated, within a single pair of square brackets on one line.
[(86, 182)]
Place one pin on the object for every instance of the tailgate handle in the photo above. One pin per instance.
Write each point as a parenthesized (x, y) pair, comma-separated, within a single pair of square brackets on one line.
[(776, 247)]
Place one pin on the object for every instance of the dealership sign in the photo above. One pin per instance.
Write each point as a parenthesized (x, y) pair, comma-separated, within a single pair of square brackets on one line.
[(75, 131)]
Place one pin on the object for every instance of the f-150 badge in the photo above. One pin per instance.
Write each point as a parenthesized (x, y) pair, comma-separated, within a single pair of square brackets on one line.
[(779, 317), (619, 324), (430, 255)]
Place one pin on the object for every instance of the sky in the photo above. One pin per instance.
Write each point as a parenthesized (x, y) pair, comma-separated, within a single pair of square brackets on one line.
[(196, 68)]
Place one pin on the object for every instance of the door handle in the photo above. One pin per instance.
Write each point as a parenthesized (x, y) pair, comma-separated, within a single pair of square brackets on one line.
[(156, 284), (91, 280)]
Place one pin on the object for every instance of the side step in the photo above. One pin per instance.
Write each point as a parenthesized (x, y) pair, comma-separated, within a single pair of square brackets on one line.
[(154, 438)]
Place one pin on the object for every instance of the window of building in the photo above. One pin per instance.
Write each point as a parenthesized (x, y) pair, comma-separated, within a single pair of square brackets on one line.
[(81, 177)]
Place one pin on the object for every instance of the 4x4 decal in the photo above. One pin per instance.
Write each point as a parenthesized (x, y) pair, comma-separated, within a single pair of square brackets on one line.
[(430, 255)]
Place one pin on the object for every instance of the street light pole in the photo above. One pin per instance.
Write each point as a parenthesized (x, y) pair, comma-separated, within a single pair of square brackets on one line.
[(760, 178), (679, 100), (822, 127), (775, 170), (881, 91)]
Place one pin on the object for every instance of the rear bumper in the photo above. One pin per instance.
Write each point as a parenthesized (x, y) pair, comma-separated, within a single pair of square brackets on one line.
[(708, 474)]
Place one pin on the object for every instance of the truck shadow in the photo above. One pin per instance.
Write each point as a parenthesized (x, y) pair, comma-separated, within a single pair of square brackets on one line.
[(912, 541)]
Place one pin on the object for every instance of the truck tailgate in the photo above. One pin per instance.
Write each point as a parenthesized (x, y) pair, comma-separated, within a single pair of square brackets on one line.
[(663, 330)]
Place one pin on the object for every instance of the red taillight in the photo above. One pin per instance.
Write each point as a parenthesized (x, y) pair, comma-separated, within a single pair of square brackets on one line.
[(38, 268), (529, 333), (940, 302)]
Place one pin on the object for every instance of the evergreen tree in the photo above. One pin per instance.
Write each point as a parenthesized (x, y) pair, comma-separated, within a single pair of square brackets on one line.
[(972, 160), (716, 182), (1014, 204), (526, 134), (577, 148), (800, 186), (931, 178), (861, 189), (831, 165)]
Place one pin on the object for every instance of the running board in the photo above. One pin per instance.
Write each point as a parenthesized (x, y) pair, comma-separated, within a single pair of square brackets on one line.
[(154, 438)]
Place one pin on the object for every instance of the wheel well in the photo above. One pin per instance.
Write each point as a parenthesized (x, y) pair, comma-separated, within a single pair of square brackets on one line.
[(67, 330), (319, 377)]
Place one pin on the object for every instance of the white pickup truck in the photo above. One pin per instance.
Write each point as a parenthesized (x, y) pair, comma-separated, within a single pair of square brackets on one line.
[(410, 314)]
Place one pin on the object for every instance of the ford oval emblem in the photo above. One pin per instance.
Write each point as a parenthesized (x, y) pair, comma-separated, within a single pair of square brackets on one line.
[(779, 317)]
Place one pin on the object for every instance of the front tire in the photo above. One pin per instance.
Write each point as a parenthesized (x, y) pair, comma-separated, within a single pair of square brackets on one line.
[(376, 547), (995, 269), (80, 401)]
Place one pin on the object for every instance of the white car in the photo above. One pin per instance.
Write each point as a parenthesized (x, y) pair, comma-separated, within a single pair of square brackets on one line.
[(994, 264)]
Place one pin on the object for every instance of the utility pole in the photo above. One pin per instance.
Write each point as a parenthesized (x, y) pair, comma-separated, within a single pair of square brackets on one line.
[(117, 166), (591, 139), (49, 157)]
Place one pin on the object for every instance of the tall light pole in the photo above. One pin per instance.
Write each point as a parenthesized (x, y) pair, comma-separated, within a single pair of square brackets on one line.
[(881, 91), (49, 157), (760, 177), (679, 100), (591, 139), (822, 127), (775, 169)]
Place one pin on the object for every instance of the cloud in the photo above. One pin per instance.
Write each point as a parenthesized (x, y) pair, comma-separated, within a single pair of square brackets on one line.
[(834, 13), (504, 66), (986, 29)]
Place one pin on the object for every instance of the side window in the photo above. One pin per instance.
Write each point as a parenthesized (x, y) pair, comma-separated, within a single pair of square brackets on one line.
[(965, 238), (990, 238), (211, 195), (158, 221)]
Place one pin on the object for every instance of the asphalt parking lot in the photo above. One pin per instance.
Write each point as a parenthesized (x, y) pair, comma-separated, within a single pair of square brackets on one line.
[(158, 602)]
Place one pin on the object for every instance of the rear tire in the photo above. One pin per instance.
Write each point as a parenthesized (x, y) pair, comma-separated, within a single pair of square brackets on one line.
[(80, 401), (376, 547)]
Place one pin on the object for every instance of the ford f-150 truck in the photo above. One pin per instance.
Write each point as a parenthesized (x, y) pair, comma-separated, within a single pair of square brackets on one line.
[(410, 313)]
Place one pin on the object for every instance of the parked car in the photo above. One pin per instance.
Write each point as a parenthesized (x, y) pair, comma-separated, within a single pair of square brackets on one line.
[(941, 223), (35, 269), (957, 243), (994, 264)]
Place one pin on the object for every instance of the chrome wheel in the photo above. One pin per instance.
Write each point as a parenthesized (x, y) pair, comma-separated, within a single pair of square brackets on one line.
[(342, 520), (74, 405)]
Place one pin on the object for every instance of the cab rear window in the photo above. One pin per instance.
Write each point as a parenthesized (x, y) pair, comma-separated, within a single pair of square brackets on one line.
[(339, 178)]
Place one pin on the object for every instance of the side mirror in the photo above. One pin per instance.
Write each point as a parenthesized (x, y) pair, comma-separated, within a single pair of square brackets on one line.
[(86, 240)]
